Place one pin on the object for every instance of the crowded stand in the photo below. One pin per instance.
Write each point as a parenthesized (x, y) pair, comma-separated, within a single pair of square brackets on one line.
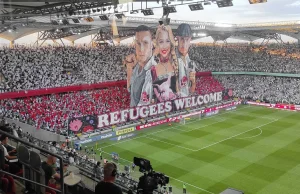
[(207, 85), (47, 67), (263, 88), (244, 58), (52, 112)]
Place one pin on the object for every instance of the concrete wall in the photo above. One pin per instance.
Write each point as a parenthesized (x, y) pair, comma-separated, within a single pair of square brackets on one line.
[(39, 134)]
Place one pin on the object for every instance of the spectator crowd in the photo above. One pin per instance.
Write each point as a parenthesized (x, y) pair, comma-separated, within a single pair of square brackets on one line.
[(52, 112), (242, 58), (46, 67), (263, 88)]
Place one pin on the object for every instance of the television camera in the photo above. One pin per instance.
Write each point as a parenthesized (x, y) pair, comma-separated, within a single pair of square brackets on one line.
[(151, 179)]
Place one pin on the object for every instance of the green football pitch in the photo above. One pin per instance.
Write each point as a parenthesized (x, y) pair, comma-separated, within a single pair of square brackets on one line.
[(253, 149)]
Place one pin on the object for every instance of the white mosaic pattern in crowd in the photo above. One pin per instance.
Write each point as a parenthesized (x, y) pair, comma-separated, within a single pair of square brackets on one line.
[(265, 88), (45, 67), (241, 58)]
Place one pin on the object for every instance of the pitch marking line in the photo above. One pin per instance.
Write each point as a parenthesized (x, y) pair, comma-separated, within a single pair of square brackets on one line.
[(196, 150), (175, 127), (199, 188), (252, 136), (222, 120), (227, 112), (236, 135), (123, 141)]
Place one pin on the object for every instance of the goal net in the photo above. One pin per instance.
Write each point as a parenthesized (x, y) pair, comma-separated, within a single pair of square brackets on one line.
[(192, 118)]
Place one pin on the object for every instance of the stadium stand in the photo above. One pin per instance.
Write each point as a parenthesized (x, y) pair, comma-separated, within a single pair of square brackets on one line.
[(264, 88), (51, 112), (207, 84), (246, 58), (32, 68)]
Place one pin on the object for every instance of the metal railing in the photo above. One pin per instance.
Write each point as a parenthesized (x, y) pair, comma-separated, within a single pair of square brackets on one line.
[(42, 150)]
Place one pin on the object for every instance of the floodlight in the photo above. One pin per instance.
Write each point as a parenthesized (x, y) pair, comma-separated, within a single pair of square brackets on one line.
[(54, 22), (224, 3), (76, 21), (65, 22), (168, 10), (147, 12), (196, 7), (119, 15), (134, 12), (103, 17)]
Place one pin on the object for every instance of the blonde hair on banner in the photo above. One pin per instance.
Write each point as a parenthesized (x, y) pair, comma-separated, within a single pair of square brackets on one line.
[(168, 29)]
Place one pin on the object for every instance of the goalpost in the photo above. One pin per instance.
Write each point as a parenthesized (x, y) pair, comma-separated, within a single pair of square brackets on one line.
[(183, 121)]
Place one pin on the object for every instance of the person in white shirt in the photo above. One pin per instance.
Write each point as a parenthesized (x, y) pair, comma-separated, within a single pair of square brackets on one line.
[(13, 167), (71, 159), (4, 141)]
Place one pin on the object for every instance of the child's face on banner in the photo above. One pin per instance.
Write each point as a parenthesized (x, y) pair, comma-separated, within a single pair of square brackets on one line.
[(164, 44), (184, 44), (143, 46)]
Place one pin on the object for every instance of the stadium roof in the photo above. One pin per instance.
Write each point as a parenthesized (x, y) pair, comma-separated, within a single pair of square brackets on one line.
[(23, 18)]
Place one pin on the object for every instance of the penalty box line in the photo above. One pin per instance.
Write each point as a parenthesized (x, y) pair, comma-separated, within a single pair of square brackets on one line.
[(175, 127), (222, 120), (196, 150), (237, 135)]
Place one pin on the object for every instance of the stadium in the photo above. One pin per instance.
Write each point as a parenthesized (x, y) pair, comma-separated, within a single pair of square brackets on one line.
[(162, 97)]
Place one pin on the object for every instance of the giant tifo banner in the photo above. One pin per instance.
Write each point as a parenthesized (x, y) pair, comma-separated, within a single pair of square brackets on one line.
[(155, 109), (161, 77), (89, 123), (160, 69)]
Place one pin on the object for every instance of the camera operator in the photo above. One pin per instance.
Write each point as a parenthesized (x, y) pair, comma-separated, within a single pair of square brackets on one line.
[(107, 185)]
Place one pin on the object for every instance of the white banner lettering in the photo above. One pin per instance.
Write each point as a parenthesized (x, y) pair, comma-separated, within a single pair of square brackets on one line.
[(154, 109)]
